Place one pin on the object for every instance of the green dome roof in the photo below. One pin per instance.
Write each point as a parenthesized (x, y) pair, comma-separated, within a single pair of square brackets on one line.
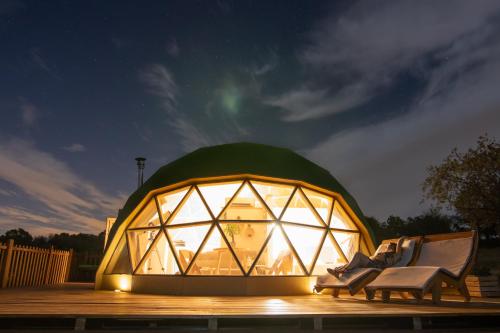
[(239, 158)]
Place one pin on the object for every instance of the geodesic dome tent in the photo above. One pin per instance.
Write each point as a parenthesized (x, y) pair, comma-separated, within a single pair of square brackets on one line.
[(233, 219)]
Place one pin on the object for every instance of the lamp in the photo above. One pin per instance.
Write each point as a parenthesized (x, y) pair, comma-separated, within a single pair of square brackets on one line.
[(141, 163)]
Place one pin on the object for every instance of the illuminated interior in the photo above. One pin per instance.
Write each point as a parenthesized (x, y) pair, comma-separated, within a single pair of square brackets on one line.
[(245, 227)]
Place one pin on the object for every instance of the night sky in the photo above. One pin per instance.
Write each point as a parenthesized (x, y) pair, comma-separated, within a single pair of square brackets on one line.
[(373, 91)]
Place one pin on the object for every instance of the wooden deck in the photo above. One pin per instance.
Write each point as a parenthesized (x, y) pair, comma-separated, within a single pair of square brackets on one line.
[(81, 302)]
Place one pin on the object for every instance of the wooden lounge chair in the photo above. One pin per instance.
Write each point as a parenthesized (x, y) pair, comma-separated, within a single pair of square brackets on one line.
[(226, 264), (442, 258), (355, 280), (185, 257), (283, 265)]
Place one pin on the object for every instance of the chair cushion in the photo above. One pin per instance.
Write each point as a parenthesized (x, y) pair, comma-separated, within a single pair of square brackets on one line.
[(382, 248), (412, 277), (345, 280), (450, 254)]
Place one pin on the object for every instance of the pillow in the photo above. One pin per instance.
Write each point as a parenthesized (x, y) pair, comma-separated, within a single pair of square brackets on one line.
[(407, 248), (385, 247)]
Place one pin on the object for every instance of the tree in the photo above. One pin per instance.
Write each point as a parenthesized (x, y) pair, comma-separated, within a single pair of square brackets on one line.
[(431, 222), (428, 223), (469, 184), (20, 236), (231, 230), (78, 242), (64, 241), (395, 226)]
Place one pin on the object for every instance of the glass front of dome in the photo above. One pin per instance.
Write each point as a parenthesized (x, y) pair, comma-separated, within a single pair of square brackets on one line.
[(244, 227)]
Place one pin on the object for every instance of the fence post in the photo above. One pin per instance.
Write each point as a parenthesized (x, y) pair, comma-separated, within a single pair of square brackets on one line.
[(68, 265), (49, 266), (7, 263)]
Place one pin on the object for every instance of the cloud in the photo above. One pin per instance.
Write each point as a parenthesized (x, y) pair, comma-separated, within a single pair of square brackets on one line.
[(29, 113), (18, 214), (384, 164), (64, 201), (160, 82), (268, 65), (7, 193), (305, 103), (173, 48), (199, 129), (192, 137), (42, 64), (75, 148), (358, 55), (13, 217)]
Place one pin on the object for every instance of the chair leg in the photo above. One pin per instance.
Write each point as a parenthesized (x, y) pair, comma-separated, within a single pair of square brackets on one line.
[(335, 292), (436, 292), (414, 294), (462, 288), (419, 296), (370, 294), (386, 296)]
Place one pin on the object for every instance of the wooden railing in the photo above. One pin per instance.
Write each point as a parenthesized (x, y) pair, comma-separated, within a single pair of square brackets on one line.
[(22, 266)]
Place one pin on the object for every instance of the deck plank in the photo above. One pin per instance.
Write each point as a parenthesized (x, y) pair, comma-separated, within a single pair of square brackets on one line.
[(82, 301)]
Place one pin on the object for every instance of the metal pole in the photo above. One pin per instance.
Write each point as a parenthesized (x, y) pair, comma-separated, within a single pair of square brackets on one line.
[(141, 163)]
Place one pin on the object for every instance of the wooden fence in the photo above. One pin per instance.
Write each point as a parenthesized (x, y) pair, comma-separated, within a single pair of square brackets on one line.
[(22, 266)]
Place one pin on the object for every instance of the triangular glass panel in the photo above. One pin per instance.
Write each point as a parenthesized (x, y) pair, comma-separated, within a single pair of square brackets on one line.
[(348, 241), (277, 258), (329, 257), (186, 242), (299, 211), (246, 205), (147, 217), (217, 195), (120, 261), (340, 219), (215, 258), (139, 242), (192, 209), (274, 195), (246, 239), (320, 202), (159, 259), (306, 241), (169, 201)]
